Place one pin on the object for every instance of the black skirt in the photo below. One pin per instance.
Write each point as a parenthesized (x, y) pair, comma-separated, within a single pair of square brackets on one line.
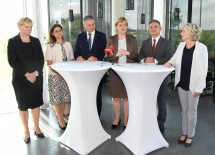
[(28, 95)]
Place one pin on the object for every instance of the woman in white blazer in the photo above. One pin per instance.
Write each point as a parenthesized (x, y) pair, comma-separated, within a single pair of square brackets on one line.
[(191, 65)]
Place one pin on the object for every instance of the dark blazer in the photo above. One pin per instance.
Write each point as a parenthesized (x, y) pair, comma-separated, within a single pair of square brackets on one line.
[(97, 50), (131, 43), (162, 53), (17, 58), (117, 88), (23, 58)]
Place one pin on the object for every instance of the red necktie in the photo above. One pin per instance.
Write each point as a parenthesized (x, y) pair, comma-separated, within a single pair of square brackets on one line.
[(154, 45)]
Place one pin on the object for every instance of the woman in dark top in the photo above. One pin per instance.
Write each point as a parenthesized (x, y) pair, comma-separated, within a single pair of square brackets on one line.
[(191, 65), (25, 56)]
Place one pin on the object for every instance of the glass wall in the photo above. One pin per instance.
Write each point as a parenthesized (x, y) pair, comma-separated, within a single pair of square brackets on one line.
[(8, 26), (101, 11), (59, 13), (131, 16), (176, 25), (138, 19), (8, 29), (201, 15)]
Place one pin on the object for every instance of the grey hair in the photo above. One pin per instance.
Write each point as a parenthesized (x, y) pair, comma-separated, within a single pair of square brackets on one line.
[(194, 31), (88, 17)]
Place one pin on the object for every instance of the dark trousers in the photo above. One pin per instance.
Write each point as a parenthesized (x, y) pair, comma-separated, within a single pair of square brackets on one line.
[(161, 99), (99, 97)]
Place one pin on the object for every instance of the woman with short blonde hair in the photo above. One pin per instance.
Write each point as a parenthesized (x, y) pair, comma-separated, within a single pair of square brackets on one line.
[(191, 65), (25, 56)]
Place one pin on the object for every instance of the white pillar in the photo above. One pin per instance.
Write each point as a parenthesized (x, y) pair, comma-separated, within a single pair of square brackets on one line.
[(39, 15), (159, 9), (118, 10), (85, 8)]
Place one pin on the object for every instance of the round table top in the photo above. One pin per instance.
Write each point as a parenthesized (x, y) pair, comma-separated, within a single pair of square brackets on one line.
[(81, 65), (143, 68)]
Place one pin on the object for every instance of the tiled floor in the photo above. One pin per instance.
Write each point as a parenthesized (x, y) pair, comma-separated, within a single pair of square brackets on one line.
[(11, 142)]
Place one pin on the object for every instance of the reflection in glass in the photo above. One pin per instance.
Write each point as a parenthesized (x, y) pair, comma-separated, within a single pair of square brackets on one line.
[(61, 12)]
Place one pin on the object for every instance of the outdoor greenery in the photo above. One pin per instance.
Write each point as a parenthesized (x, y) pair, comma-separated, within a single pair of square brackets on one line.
[(208, 38), (71, 29)]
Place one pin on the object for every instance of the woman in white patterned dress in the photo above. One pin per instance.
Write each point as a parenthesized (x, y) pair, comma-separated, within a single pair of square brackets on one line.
[(57, 50)]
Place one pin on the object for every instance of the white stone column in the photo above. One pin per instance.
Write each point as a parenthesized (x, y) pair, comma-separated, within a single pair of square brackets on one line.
[(37, 11), (118, 10), (159, 10)]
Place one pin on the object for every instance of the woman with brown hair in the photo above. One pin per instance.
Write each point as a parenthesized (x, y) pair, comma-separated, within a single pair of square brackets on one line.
[(57, 50)]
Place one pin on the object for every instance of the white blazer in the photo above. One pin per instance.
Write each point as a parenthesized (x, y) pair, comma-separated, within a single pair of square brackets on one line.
[(199, 66)]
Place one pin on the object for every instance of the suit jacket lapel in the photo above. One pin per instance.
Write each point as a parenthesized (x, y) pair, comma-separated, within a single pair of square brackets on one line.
[(149, 48), (84, 41), (128, 43), (157, 46), (94, 40), (116, 43)]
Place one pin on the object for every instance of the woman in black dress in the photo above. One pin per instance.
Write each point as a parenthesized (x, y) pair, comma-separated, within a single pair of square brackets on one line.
[(25, 56)]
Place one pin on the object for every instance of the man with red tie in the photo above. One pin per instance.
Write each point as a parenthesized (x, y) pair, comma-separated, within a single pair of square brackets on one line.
[(157, 50)]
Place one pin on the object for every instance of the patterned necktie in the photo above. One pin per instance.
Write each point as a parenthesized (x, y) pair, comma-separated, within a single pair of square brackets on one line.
[(64, 57), (89, 41), (154, 45)]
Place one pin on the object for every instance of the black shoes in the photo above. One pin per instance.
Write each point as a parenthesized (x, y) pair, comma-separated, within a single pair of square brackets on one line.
[(182, 141), (39, 135), (161, 127), (124, 127), (63, 128), (115, 126), (188, 144), (27, 140)]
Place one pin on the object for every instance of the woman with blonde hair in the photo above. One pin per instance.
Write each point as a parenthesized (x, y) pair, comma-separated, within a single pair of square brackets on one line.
[(125, 51), (25, 56), (191, 65)]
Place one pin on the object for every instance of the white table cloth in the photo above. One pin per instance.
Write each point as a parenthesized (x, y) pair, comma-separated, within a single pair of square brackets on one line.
[(84, 131), (142, 82)]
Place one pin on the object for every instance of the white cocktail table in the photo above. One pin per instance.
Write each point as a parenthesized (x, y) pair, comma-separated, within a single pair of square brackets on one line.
[(84, 131), (142, 82)]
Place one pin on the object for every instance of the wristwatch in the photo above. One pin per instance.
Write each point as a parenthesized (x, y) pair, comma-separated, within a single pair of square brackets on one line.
[(36, 73)]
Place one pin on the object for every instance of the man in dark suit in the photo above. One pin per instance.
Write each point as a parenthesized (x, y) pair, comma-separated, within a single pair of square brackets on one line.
[(157, 50), (90, 46)]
